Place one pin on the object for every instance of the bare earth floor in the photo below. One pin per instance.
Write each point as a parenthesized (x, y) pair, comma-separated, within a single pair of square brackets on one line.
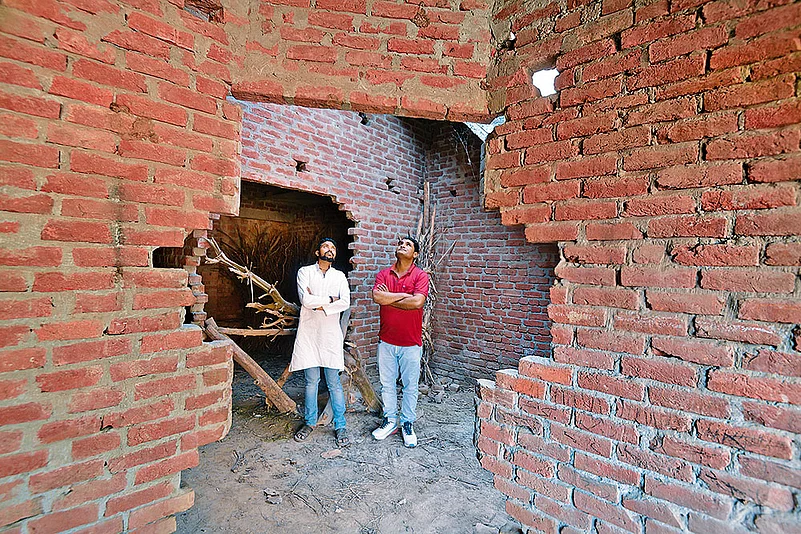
[(258, 480)]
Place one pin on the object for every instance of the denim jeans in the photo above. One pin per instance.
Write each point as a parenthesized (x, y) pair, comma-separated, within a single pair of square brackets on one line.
[(335, 393), (406, 361)]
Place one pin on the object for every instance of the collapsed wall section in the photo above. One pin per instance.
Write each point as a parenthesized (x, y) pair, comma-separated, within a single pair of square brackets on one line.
[(667, 169)]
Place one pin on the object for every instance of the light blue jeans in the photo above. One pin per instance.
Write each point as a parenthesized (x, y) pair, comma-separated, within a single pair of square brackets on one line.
[(406, 361), (335, 393)]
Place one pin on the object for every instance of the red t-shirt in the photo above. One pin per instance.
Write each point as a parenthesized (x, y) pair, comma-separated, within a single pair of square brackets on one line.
[(402, 328)]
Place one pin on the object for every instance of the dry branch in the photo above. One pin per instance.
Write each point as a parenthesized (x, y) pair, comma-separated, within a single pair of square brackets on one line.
[(429, 262), (280, 307), (257, 331)]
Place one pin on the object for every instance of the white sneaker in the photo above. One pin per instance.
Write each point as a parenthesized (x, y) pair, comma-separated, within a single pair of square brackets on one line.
[(387, 428), (409, 437)]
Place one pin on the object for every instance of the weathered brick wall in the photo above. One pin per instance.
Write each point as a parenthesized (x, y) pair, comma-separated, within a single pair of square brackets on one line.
[(493, 288), (667, 169), (115, 139), (419, 59)]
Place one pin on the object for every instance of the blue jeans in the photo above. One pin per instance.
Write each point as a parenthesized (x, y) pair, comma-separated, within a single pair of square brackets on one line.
[(406, 361), (335, 393)]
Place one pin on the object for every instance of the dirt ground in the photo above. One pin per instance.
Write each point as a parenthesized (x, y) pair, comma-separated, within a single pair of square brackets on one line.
[(259, 480)]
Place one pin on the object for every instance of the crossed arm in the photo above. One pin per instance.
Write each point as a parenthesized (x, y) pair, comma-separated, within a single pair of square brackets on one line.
[(403, 301), (324, 303)]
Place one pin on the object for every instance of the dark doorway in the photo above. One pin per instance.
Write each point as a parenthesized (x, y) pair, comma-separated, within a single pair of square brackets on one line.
[(275, 234)]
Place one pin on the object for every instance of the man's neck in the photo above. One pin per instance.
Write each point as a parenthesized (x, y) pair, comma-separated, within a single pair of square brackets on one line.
[(323, 265), (402, 266)]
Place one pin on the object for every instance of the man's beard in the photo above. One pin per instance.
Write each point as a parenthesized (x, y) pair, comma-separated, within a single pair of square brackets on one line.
[(329, 257)]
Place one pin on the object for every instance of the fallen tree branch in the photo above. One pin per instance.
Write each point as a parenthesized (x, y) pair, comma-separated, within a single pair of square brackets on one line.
[(256, 331)]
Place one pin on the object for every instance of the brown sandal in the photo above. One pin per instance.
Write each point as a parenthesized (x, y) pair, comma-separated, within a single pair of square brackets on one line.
[(304, 432)]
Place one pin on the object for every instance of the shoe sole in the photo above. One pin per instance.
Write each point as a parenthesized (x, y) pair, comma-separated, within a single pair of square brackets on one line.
[(388, 435)]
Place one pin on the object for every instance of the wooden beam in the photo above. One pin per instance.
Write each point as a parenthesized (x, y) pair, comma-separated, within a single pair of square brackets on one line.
[(257, 331)]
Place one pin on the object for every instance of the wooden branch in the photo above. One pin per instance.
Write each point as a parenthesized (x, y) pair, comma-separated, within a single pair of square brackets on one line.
[(256, 331), (275, 396), (353, 366), (284, 376), (247, 275)]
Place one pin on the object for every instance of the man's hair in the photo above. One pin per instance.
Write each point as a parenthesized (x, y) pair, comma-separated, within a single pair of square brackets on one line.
[(327, 240), (413, 240)]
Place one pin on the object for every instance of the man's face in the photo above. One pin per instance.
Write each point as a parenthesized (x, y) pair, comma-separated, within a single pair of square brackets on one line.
[(327, 251), (405, 250)]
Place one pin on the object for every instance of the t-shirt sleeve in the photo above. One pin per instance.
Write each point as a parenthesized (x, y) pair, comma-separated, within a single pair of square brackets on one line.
[(421, 284), (381, 278)]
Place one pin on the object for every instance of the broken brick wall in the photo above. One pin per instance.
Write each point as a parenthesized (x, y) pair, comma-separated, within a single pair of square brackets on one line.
[(116, 139), (667, 170), (493, 288)]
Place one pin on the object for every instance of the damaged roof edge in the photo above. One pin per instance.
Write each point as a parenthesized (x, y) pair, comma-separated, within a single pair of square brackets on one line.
[(483, 130)]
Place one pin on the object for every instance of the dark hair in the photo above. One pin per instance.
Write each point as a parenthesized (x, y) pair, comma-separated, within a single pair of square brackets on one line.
[(326, 239), (413, 240)]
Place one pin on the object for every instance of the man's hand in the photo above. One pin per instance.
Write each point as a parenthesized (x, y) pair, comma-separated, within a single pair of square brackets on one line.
[(382, 287)]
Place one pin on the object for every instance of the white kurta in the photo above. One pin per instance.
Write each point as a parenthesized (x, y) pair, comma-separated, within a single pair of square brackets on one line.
[(319, 339)]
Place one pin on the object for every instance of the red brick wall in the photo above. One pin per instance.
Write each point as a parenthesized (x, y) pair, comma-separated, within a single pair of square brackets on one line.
[(493, 288), (421, 59), (667, 169), (115, 139)]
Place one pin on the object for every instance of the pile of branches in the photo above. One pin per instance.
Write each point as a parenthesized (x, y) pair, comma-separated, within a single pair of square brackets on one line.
[(429, 261)]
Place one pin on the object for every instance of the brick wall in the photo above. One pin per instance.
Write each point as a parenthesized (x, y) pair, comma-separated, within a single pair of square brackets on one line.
[(420, 59), (667, 169), (493, 288), (115, 139), (678, 121)]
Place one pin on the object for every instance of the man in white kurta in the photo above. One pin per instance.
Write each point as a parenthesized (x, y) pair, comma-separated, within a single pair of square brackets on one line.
[(324, 294)]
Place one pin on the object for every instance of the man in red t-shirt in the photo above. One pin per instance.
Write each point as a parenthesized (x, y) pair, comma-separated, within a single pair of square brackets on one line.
[(401, 290)]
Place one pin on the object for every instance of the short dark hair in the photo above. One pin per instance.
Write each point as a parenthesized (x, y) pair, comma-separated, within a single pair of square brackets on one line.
[(327, 240), (413, 240)]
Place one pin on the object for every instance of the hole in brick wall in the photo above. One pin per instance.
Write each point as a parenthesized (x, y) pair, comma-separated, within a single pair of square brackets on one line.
[(392, 186), (275, 234), (188, 258), (364, 118), (300, 166), (453, 192), (208, 10), (543, 80)]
